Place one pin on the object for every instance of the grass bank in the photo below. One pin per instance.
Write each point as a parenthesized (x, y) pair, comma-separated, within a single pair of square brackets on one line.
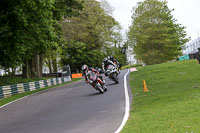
[(130, 66), (18, 96), (172, 103)]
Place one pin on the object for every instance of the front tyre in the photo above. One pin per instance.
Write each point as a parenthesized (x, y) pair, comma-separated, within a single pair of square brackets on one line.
[(115, 78), (99, 87)]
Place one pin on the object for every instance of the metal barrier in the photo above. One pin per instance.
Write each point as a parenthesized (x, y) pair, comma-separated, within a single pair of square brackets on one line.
[(10, 90)]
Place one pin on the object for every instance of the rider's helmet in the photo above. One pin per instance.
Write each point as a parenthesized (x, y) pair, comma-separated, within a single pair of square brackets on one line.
[(110, 57), (105, 60), (84, 68)]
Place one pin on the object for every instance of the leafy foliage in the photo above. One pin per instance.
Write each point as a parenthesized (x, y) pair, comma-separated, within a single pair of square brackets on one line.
[(31, 33), (76, 54), (90, 36), (26, 29), (66, 8), (154, 32), (92, 27), (29, 28)]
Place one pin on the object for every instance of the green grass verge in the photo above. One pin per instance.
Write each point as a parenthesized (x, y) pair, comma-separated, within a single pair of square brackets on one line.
[(172, 103), (130, 66), (17, 96), (16, 80)]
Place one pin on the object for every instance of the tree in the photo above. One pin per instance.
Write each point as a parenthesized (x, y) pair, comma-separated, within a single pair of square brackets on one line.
[(61, 10), (94, 28), (28, 29), (76, 54), (66, 8), (154, 32), (108, 9)]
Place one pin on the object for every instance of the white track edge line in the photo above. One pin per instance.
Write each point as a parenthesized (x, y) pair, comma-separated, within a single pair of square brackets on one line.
[(21, 98), (127, 105)]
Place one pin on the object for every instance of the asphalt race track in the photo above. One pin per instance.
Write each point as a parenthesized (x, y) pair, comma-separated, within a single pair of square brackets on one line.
[(74, 108)]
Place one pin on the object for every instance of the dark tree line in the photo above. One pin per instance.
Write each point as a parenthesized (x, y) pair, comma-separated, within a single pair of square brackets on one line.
[(55, 32)]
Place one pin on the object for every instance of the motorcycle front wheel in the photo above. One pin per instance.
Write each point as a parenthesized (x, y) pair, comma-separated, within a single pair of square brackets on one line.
[(115, 78), (99, 87)]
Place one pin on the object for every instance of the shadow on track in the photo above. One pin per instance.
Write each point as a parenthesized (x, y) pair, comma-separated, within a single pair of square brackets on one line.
[(110, 84), (94, 94)]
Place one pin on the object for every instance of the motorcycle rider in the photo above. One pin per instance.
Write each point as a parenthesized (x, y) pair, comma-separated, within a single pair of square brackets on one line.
[(107, 62), (114, 61), (87, 69)]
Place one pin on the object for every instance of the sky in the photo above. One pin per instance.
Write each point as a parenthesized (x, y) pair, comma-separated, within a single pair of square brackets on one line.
[(187, 13)]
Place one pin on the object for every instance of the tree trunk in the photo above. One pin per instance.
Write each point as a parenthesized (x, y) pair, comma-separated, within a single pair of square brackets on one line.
[(26, 70), (54, 62), (37, 65), (32, 68), (49, 65), (13, 71), (40, 65)]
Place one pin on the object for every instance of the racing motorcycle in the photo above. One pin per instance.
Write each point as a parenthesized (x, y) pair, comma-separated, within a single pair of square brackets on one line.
[(96, 82), (112, 73)]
